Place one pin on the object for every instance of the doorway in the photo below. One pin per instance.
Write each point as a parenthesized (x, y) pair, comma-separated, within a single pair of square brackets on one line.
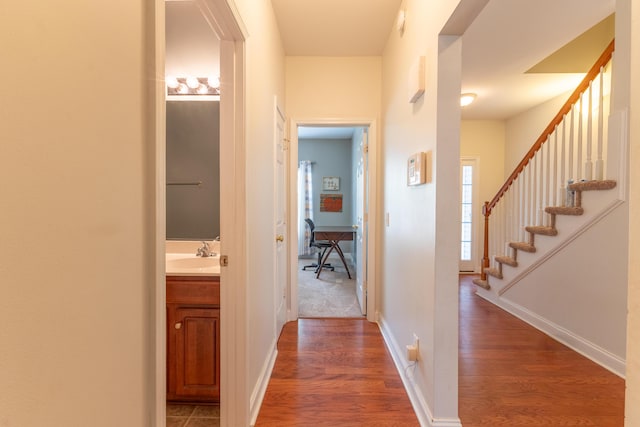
[(224, 22), (470, 218), (332, 186)]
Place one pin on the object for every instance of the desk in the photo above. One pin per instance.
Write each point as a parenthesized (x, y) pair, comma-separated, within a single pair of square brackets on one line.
[(334, 235)]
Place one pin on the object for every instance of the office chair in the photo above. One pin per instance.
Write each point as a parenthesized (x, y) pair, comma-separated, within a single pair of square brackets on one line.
[(322, 247)]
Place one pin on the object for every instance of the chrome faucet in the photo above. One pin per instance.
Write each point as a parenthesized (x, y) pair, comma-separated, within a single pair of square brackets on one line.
[(205, 250)]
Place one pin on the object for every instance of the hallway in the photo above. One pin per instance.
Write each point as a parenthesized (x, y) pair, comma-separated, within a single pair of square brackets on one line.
[(334, 372), (511, 374)]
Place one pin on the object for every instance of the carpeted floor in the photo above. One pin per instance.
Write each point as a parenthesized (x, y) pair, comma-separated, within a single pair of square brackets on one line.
[(332, 295)]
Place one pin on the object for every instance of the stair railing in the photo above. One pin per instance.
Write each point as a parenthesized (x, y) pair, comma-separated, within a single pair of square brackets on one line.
[(562, 154)]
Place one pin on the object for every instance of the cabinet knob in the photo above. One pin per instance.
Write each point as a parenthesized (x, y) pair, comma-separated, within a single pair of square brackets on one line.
[(178, 325), (279, 238)]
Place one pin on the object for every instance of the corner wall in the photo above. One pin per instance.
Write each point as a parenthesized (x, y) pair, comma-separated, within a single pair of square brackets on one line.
[(420, 242), (628, 32), (78, 221), (264, 87)]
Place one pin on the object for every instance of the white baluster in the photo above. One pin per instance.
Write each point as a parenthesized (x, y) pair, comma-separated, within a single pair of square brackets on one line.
[(579, 144), (559, 200), (588, 164), (599, 160)]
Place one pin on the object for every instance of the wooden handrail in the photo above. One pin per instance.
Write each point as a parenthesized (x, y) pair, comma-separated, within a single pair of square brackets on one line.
[(583, 86), (591, 75)]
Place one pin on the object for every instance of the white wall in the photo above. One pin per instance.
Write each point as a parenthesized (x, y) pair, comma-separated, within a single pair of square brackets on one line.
[(78, 215), (524, 129), (265, 83), (420, 245)]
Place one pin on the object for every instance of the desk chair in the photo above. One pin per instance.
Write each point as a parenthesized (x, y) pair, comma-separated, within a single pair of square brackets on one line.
[(322, 247)]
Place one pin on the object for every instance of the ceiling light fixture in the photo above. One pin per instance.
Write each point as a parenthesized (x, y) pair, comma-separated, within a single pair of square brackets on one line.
[(467, 98), (178, 86)]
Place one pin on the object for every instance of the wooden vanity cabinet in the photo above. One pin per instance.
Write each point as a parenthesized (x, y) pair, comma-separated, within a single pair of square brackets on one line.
[(193, 339)]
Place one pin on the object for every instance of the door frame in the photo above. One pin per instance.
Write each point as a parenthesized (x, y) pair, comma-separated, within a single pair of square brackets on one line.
[(476, 216), (372, 189), (225, 20)]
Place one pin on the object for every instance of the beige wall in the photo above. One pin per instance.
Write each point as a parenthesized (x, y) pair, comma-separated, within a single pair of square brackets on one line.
[(420, 243), (333, 87), (630, 11), (484, 140), (265, 84), (77, 222)]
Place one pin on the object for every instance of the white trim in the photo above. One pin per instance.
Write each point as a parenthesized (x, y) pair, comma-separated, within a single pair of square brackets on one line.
[(257, 396), (159, 293), (373, 207), (585, 347), (419, 403)]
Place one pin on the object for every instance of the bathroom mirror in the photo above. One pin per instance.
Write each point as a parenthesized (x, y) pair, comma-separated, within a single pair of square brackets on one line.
[(193, 170)]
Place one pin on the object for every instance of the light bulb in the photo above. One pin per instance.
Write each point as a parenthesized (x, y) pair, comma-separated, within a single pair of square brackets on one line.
[(203, 89), (214, 81), (172, 82), (192, 82), (183, 89)]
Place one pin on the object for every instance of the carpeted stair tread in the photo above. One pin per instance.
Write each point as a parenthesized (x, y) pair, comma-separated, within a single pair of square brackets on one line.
[(522, 246), (545, 231), (606, 184), (564, 210), (506, 260), (493, 272), (482, 283)]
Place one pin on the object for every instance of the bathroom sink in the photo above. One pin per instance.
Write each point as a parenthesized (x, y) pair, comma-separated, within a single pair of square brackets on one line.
[(194, 262), (189, 264)]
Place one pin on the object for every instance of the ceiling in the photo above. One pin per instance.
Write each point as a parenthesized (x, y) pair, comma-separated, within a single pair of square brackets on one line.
[(506, 40)]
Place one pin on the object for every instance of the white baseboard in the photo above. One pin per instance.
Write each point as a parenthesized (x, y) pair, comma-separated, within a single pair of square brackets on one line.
[(579, 344), (263, 381), (419, 403)]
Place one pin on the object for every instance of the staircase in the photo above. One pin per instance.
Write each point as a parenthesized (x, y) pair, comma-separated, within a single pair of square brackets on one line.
[(550, 230), (570, 157)]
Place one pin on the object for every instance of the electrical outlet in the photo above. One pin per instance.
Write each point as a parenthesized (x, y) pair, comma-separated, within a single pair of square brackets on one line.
[(413, 350)]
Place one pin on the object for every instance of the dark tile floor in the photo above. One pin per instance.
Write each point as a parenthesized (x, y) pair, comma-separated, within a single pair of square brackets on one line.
[(192, 415)]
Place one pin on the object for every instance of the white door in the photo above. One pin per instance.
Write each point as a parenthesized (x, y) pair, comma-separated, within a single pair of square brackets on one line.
[(361, 224), (469, 216), (280, 222)]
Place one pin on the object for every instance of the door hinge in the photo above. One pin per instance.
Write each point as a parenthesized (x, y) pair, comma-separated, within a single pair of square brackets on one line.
[(365, 148), (224, 260)]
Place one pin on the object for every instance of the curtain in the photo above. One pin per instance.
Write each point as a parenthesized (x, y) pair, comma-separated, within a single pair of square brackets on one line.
[(305, 206)]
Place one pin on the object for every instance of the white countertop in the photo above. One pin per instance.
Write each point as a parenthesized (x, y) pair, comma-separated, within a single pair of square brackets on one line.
[(181, 259)]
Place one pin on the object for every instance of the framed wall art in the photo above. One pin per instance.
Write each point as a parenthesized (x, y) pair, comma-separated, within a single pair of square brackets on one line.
[(330, 183)]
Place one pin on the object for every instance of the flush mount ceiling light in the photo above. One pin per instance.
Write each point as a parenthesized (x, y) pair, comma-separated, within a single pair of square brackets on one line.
[(179, 86), (467, 98)]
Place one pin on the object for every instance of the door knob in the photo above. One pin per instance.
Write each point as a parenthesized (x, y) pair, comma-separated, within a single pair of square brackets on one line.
[(354, 226), (178, 325), (279, 238)]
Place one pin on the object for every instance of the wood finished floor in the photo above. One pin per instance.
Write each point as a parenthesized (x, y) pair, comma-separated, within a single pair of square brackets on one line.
[(337, 372), (334, 372), (511, 374)]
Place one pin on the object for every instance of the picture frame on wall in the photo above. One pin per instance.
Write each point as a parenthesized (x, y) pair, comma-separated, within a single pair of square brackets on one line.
[(330, 183)]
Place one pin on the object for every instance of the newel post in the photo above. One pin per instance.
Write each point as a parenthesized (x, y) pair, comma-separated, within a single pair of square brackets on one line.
[(485, 257)]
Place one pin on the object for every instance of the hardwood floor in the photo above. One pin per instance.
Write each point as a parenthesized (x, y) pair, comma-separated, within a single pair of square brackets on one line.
[(337, 372), (334, 372), (511, 374)]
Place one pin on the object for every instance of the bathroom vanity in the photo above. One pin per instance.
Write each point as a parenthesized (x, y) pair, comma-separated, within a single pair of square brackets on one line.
[(193, 328)]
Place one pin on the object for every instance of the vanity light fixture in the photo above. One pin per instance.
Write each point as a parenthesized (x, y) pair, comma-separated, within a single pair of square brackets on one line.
[(467, 98), (177, 86)]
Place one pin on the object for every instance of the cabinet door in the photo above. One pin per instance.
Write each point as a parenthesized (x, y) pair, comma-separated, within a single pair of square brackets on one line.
[(197, 338)]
